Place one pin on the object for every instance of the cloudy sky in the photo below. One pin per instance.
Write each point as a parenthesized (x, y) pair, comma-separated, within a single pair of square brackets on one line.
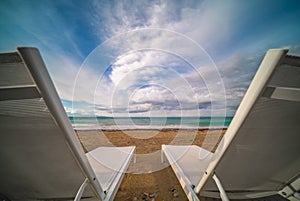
[(151, 58)]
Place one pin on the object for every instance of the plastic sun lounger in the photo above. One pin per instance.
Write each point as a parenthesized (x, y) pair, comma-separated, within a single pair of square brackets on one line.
[(259, 156), (41, 157)]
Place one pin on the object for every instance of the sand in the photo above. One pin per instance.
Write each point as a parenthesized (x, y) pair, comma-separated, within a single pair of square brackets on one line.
[(148, 175)]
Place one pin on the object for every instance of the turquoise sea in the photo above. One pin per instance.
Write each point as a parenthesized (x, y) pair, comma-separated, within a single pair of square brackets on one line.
[(120, 123)]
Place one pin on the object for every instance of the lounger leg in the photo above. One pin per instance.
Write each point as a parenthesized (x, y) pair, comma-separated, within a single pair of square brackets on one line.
[(221, 189), (134, 158), (81, 190), (162, 158), (291, 191)]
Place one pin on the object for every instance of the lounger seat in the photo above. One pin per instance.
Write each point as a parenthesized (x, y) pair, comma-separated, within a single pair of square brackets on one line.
[(189, 164), (40, 155), (110, 171)]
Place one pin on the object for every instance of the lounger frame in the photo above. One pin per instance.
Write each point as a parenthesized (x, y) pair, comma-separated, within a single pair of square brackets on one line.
[(45, 104)]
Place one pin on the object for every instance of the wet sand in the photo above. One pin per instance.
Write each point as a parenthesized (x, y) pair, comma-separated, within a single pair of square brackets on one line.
[(149, 177)]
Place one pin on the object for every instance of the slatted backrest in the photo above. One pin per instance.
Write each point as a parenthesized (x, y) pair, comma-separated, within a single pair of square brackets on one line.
[(262, 153), (40, 155)]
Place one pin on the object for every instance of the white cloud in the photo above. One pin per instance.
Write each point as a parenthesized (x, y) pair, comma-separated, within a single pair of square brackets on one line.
[(138, 108), (153, 94), (148, 71), (160, 79), (167, 69), (207, 22), (155, 55), (79, 111)]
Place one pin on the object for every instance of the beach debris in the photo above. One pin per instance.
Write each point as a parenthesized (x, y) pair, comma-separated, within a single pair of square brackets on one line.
[(145, 195), (172, 189), (151, 195), (175, 192), (148, 196)]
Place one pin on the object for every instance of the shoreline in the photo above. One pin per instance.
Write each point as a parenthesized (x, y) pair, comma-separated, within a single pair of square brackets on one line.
[(89, 127), (148, 174)]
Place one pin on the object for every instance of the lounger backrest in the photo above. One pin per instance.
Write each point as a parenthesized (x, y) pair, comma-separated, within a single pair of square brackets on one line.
[(264, 154), (40, 155)]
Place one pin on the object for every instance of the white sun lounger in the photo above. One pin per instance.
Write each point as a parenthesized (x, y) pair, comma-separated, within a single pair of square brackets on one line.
[(259, 156), (40, 155)]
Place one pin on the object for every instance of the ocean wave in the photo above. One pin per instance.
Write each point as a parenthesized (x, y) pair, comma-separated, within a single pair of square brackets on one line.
[(141, 127)]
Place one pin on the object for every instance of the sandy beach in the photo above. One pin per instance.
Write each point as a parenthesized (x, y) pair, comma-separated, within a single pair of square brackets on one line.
[(148, 178)]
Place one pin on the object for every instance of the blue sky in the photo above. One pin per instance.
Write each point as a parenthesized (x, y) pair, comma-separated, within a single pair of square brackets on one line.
[(151, 58)]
